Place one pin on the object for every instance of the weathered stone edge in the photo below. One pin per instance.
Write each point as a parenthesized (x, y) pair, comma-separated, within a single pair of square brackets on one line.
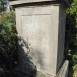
[(63, 72), (27, 1), (14, 3)]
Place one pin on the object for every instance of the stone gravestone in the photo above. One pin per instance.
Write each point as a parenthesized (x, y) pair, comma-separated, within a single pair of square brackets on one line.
[(41, 30)]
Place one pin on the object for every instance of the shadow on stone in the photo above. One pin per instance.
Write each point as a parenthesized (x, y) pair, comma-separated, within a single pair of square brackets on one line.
[(25, 66)]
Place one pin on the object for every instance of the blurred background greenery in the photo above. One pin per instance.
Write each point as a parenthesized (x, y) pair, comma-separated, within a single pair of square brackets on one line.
[(8, 42), (71, 37)]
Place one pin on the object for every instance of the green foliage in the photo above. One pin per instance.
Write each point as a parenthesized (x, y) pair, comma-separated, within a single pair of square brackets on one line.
[(73, 7), (1, 7), (8, 40), (74, 57), (71, 35)]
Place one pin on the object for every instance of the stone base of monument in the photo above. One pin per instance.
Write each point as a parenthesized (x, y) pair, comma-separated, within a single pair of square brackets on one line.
[(63, 72)]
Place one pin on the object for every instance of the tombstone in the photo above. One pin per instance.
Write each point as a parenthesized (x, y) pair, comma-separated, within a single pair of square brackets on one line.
[(41, 30)]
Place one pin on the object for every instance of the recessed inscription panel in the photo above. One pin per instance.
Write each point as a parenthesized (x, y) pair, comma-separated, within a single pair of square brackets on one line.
[(36, 31)]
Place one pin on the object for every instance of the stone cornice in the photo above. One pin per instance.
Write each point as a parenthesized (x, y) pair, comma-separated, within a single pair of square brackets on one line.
[(15, 3)]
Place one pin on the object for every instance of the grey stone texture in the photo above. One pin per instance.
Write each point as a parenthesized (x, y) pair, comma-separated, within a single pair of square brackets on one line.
[(40, 74), (41, 33), (43, 28), (63, 72), (32, 1)]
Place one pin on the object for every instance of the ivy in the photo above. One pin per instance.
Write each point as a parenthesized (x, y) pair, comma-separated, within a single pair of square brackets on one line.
[(71, 35), (8, 41)]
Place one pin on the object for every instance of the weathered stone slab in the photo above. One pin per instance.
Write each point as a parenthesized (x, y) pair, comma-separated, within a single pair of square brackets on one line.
[(44, 30), (63, 72), (20, 2), (40, 74)]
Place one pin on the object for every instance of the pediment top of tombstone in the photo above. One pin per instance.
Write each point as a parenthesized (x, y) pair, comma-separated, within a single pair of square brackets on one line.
[(23, 2)]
